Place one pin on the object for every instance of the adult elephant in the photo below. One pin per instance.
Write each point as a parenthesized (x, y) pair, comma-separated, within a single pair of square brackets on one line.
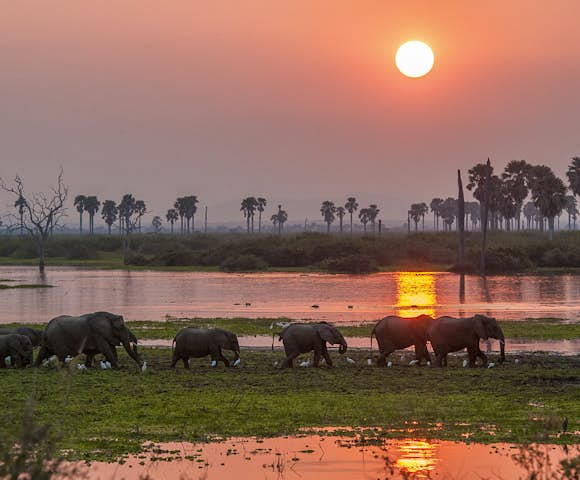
[(199, 342), (395, 333), (450, 334), (33, 334), (18, 348), (92, 333), (307, 337)]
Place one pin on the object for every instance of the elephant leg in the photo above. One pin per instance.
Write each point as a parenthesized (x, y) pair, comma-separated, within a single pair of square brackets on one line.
[(483, 357), (43, 354), (89, 360), (289, 360), (440, 358), (107, 351), (222, 358), (185, 362), (422, 353), (384, 351), (326, 356), (2, 361), (16, 360), (316, 361)]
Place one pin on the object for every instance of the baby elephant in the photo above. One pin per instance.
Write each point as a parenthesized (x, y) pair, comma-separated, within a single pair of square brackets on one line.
[(307, 337), (199, 342), (17, 347), (33, 334)]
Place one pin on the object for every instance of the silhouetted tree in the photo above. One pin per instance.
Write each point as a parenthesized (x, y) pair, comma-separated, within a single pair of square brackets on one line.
[(351, 206), (477, 177), (415, 213), (373, 212), (249, 208), (171, 216), (571, 210), (436, 209), (190, 202), (109, 213), (140, 210), (328, 210), (363, 216), (42, 212), (181, 208), (448, 212), (156, 224), (573, 174), (260, 204), (340, 213), (531, 213), (92, 205), (79, 203), (548, 194), (279, 219), (515, 177), (20, 203)]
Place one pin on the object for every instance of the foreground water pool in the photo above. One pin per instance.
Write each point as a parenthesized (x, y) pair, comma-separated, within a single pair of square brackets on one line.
[(330, 457), (151, 295)]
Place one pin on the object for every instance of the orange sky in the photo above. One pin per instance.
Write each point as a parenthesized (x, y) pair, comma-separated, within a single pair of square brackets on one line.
[(298, 101)]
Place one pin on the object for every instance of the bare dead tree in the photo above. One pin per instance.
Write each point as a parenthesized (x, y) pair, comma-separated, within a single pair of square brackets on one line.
[(42, 212)]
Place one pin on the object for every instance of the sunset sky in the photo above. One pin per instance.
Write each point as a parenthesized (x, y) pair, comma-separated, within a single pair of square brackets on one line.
[(297, 101)]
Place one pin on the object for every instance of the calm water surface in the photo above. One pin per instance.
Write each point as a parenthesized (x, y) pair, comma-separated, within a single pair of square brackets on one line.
[(318, 458), (152, 295)]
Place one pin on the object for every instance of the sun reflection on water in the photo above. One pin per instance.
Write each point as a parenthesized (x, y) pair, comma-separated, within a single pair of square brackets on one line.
[(416, 294), (417, 458)]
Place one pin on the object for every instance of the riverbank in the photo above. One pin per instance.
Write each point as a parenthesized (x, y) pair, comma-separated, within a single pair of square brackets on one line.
[(508, 252), (529, 329), (103, 414)]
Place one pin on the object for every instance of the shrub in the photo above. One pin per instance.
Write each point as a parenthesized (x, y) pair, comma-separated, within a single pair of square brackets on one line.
[(500, 259), (79, 251), (243, 263), (356, 263), (176, 258)]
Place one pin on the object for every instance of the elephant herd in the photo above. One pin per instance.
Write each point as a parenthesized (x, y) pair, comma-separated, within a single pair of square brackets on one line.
[(101, 332)]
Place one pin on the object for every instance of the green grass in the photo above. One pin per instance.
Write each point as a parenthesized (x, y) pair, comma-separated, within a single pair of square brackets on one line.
[(110, 413), (531, 329), (24, 285)]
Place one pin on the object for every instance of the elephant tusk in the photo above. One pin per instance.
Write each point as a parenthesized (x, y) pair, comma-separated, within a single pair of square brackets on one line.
[(502, 342)]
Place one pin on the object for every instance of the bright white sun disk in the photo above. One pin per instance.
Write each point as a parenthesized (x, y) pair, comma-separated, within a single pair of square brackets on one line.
[(414, 59)]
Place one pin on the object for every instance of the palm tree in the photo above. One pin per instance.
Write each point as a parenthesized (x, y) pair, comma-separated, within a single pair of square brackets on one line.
[(126, 210), (351, 206), (79, 202), (156, 224), (507, 205), (261, 203), (531, 213), (140, 210), (279, 218), (363, 216), (328, 210), (571, 210), (249, 208), (190, 203), (181, 208), (436, 209), (477, 178), (92, 205), (372, 213), (448, 212), (515, 177), (20, 203), (548, 194), (415, 214), (573, 175), (424, 211), (109, 213), (340, 213), (172, 217), (473, 209)]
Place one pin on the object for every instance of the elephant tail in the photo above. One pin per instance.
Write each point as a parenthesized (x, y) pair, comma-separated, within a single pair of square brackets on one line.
[(173, 345), (273, 335)]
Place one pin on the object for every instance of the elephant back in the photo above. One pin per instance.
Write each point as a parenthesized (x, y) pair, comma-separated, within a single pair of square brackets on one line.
[(66, 331)]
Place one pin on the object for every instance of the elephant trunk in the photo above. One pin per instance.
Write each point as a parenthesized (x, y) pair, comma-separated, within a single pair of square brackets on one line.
[(342, 348), (131, 349)]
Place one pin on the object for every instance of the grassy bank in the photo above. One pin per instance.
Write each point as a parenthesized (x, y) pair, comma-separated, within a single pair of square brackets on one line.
[(109, 413), (507, 252), (532, 329)]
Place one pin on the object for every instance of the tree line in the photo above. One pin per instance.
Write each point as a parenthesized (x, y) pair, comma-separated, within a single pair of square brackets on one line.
[(507, 192)]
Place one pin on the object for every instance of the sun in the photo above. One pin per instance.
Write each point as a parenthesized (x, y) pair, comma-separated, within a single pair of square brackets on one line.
[(414, 59)]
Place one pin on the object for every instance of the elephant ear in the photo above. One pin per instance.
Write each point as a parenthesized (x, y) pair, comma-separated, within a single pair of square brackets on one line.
[(328, 333), (479, 326)]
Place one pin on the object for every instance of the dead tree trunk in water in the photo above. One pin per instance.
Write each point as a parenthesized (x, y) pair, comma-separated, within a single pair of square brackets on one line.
[(460, 221), (484, 218)]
